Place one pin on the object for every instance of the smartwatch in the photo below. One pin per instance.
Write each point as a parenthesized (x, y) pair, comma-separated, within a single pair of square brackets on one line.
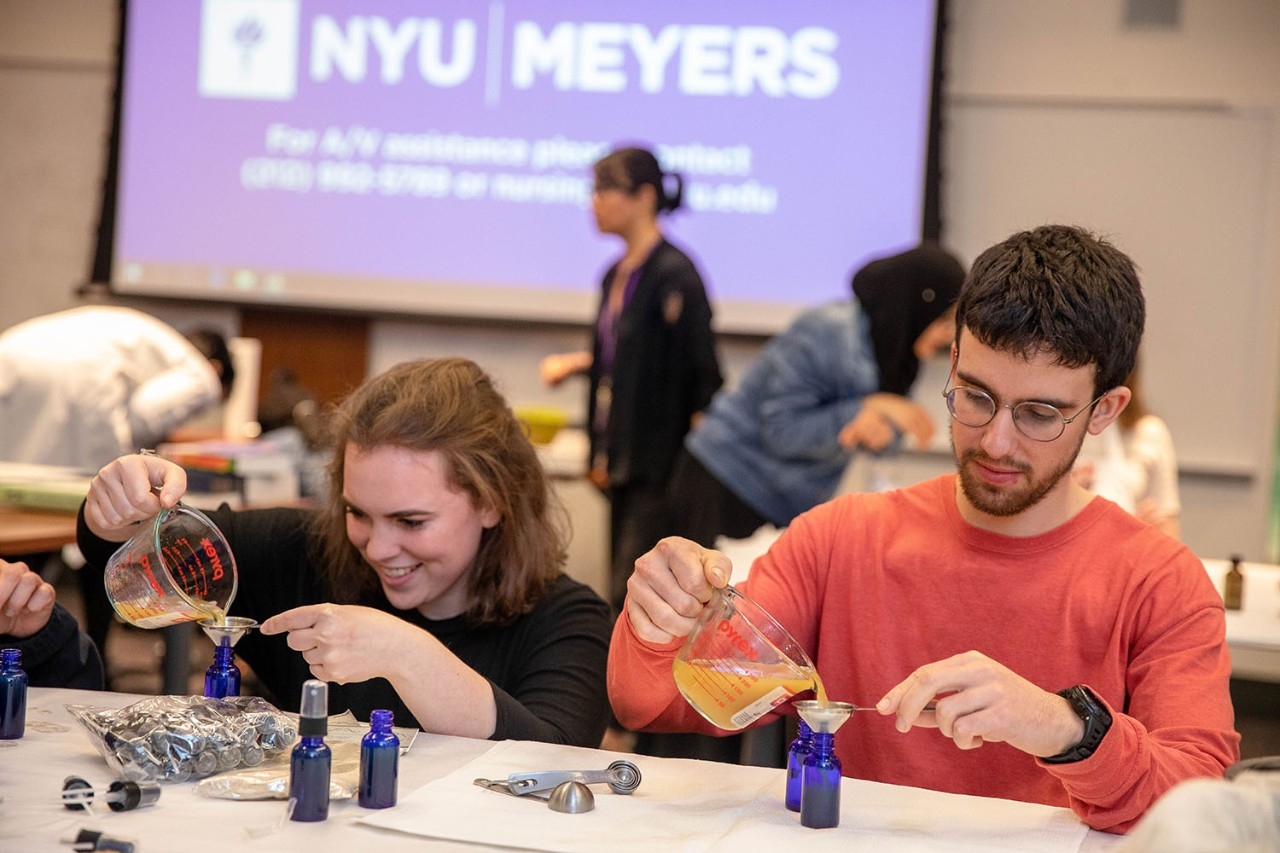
[(1097, 721)]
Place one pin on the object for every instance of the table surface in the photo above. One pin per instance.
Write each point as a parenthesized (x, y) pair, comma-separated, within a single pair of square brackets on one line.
[(55, 746), (1253, 632)]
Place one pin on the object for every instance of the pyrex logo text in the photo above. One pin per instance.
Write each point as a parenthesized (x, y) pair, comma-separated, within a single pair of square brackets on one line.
[(737, 640)]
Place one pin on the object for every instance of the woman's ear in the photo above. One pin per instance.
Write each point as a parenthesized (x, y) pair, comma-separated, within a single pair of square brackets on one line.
[(1109, 408), (648, 194)]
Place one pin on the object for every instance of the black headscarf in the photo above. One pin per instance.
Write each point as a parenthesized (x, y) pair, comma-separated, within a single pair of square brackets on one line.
[(902, 294)]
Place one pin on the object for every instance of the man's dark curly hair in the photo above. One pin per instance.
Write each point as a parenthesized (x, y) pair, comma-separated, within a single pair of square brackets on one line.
[(1057, 289)]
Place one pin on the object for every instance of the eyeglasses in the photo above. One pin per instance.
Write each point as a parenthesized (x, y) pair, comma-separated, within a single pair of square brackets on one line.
[(1037, 421)]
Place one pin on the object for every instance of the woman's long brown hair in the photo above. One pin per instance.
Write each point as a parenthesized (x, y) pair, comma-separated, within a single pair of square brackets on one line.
[(450, 406)]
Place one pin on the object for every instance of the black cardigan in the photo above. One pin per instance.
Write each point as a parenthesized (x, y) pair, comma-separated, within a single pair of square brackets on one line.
[(665, 368)]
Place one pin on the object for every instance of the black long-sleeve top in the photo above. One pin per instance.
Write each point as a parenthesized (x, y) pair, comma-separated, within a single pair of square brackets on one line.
[(547, 668), (59, 654)]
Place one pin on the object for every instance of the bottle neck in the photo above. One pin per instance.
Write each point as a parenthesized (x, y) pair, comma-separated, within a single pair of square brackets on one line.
[(11, 658), (223, 655), (824, 744), (380, 722)]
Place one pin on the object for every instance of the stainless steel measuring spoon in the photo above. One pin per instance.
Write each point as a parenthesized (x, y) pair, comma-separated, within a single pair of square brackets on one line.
[(569, 797), (621, 776)]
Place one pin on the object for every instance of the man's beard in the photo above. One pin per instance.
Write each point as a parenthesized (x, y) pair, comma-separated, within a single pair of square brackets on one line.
[(1003, 503)]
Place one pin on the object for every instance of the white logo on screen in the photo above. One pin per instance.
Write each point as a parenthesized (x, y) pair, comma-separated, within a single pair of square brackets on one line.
[(249, 49)]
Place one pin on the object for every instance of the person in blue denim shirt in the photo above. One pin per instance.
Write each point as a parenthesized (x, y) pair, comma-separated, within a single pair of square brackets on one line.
[(836, 380)]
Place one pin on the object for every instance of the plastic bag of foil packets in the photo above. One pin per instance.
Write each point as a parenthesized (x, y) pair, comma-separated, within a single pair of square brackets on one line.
[(178, 738)]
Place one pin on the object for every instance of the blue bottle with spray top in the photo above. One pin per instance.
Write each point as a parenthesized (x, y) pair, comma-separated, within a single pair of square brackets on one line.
[(379, 763), (311, 760), (13, 695)]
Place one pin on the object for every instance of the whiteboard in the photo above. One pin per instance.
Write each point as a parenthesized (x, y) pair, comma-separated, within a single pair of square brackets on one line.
[(1185, 192)]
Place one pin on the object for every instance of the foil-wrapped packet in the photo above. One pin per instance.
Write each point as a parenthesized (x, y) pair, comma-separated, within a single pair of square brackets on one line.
[(178, 738)]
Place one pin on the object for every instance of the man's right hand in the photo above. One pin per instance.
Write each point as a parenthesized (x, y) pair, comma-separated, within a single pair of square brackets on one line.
[(670, 586), (129, 490)]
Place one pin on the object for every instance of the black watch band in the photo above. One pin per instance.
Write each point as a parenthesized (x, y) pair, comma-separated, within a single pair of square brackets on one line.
[(1097, 721)]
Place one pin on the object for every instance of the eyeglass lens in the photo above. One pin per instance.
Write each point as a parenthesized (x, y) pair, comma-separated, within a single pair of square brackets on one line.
[(975, 408)]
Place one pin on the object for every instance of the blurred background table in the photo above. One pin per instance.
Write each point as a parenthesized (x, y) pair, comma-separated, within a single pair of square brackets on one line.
[(1253, 631), (27, 531)]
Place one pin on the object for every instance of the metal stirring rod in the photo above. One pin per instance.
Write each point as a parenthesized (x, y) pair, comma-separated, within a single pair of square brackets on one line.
[(929, 707)]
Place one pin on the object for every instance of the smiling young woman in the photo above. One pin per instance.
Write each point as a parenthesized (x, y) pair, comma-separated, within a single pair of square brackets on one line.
[(430, 585)]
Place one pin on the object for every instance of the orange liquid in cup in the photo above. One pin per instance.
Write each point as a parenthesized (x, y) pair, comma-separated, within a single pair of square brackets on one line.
[(733, 697)]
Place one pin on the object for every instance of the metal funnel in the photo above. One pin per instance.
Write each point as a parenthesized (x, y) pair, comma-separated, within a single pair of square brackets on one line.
[(824, 718), (229, 631)]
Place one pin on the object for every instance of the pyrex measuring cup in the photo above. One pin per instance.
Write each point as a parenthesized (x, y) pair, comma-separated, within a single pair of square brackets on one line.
[(738, 663), (177, 568)]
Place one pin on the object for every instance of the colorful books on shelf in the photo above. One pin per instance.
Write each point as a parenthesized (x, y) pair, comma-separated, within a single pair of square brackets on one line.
[(240, 474)]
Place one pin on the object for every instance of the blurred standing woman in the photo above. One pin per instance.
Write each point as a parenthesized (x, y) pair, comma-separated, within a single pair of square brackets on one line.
[(652, 367), (430, 584), (1135, 464)]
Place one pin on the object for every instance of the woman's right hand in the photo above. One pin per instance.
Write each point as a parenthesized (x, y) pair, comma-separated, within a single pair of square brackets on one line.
[(129, 490)]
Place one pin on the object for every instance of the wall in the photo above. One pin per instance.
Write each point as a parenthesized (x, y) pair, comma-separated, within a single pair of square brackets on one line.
[(1058, 110), (1029, 84)]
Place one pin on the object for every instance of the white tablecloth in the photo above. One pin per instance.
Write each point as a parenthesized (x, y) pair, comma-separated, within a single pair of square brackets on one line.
[(438, 802)]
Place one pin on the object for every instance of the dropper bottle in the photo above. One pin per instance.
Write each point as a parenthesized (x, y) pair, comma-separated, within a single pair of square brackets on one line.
[(1233, 585), (820, 793), (379, 763), (13, 695), (820, 778), (222, 678), (796, 754), (310, 763)]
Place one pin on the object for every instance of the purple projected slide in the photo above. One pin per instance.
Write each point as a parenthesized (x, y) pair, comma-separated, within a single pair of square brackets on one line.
[(435, 157)]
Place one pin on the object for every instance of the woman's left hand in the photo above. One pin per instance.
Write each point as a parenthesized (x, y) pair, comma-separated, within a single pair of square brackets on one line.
[(344, 643)]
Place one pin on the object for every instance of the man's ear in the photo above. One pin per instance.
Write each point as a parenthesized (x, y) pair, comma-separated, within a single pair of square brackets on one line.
[(1109, 408)]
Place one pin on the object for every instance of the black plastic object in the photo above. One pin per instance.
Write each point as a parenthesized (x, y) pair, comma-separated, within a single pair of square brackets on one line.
[(121, 796)]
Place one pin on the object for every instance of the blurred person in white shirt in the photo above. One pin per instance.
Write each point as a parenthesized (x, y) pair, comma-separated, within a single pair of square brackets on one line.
[(80, 387)]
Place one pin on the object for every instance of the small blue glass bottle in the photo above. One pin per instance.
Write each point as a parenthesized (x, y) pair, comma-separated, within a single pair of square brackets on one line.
[(796, 754), (13, 695), (379, 763), (222, 679), (311, 760), (820, 784)]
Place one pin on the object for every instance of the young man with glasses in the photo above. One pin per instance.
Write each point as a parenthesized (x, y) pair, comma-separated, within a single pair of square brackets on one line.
[(1003, 606)]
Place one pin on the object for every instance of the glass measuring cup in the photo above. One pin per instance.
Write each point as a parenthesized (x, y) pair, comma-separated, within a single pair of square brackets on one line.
[(738, 663), (177, 568)]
